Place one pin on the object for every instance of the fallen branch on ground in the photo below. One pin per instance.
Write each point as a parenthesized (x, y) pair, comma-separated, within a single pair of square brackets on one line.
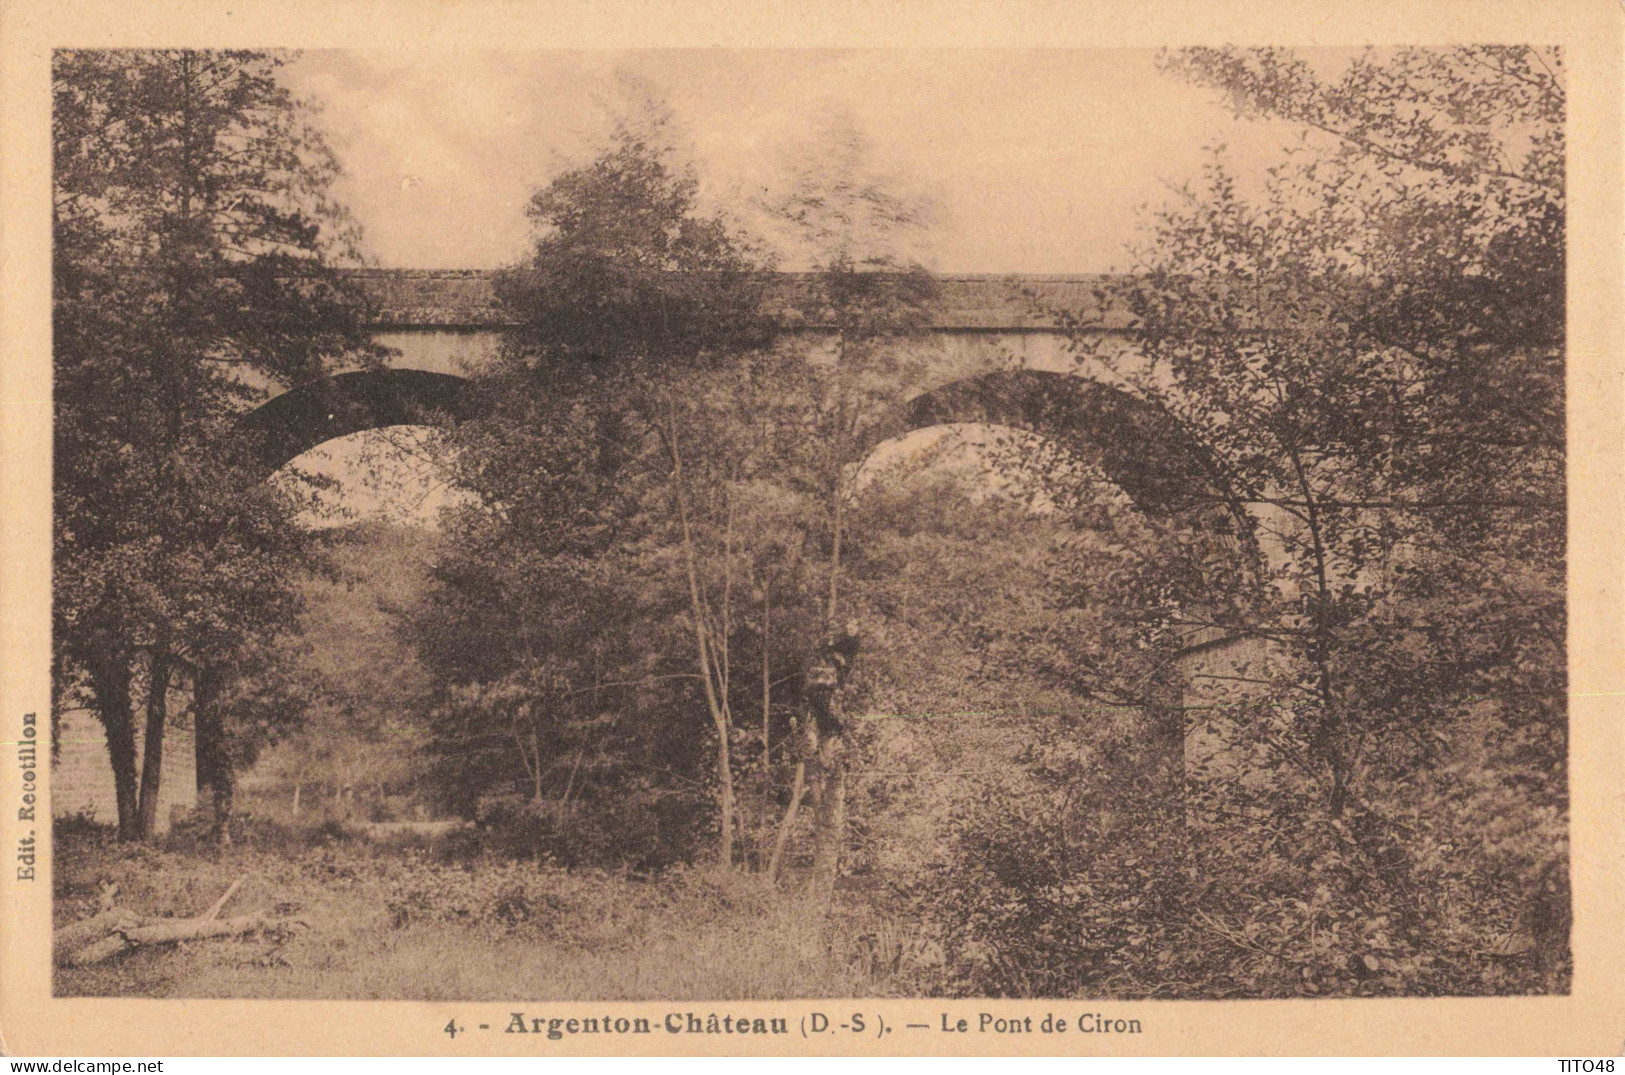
[(192, 929), (171, 930), (221, 902), (76, 935), (111, 931)]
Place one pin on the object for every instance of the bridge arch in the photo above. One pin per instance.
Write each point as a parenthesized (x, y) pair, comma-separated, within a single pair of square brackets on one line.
[(1137, 444), (288, 425)]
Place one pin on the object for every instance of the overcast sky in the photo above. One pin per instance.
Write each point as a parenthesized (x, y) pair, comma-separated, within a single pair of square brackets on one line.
[(1036, 160)]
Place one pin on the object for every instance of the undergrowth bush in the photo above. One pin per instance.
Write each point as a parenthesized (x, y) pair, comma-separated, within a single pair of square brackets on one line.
[(1088, 874), (643, 829)]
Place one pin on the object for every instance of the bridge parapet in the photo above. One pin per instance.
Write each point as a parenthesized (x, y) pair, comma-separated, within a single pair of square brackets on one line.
[(449, 321), (466, 299)]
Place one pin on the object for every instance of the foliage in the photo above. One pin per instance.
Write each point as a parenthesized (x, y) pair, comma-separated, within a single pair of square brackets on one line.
[(1074, 876), (193, 235), (653, 530), (1370, 351), (546, 648), (352, 666)]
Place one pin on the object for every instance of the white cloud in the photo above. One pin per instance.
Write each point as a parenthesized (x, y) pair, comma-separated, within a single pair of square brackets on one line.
[(1036, 158)]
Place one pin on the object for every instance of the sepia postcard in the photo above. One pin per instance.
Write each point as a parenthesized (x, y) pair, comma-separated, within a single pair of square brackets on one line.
[(1006, 529)]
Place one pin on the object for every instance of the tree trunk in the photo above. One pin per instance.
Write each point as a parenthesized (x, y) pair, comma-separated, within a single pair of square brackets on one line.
[(835, 557), (214, 776), (224, 797), (713, 673), (767, 696), (536, 753), (1327, 733), (725, 795), (110, 679), (152, 761), (796, 792), (1167, 711), (169, 932), (829, 821), (202, 748), (562, 812), (296, 788), (767, 730)]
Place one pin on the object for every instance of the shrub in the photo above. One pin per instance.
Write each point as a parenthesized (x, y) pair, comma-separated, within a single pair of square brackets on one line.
[(1079, 876)]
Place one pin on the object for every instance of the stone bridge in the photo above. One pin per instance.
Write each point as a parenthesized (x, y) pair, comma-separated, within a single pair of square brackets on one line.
[(994, 355), (991, 345), (991, 351)]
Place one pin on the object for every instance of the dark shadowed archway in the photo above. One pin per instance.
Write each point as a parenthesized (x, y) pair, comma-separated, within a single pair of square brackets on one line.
[(291, 424), (1136, 443), (1139, 445)]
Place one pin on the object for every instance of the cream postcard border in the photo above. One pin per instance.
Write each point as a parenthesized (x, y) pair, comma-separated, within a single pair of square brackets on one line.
[(1588, 1023)]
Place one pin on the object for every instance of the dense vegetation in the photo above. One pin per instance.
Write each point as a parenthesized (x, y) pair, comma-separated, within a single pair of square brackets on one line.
[(193, 248)]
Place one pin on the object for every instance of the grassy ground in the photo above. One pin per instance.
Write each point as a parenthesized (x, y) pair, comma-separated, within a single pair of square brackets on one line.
[(410, 924)]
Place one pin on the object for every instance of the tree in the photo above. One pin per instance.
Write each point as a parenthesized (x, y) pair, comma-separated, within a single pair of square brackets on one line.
[(659, 492), (629, 297), (867, 299), (1372, 350), (194, 238)]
